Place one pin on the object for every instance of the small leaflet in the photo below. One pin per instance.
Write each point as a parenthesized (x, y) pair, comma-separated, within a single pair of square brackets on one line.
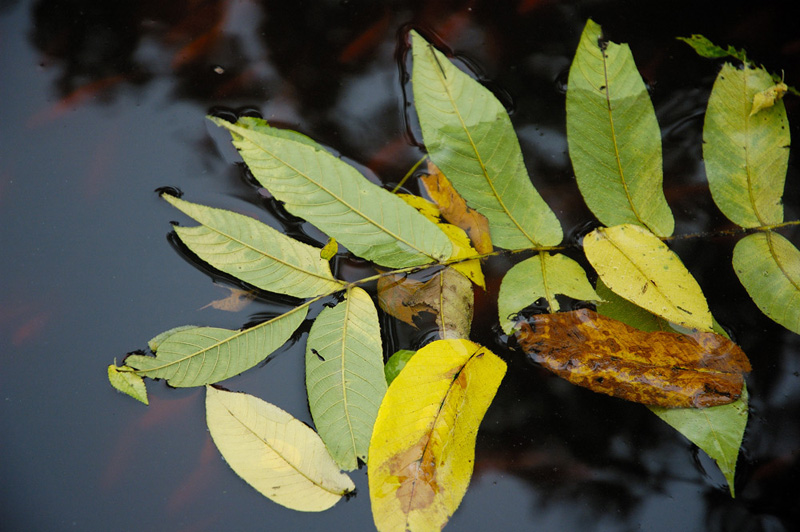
[(125, 380), (329, 250), (768, 97)]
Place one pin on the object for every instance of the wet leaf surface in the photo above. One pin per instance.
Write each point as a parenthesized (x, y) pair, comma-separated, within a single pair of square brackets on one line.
[(654, 368)]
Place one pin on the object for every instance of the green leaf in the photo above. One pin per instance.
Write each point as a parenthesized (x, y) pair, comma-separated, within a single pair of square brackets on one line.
[(344, 376), (768, 266), (203, 355), (638, 266), (746, 157), (278, 455), (469, 136), (613, 135), (396, 363), (543, 275), (718, 430), (706, 48), (254, 252), (126, 381), (321, 188)]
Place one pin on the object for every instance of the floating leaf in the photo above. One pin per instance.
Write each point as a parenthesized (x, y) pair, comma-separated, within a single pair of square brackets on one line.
[(254, 252), (455, 210), (396, 363), (718, 430), (613, 135), (654, 368), (635, 264), (126, 381), (706, 48), (469, 136), (768, 266), (196, 356), (471, 269), (317, 186), (329, 250), (767, 98), (543, 275), (447, 294), (344, 376), (423, 445), (745, 156), (236, 301), (278, 455), (426, 208)]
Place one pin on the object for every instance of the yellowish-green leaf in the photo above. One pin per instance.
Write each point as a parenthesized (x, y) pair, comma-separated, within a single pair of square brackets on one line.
[(126, 381), (768, 266), (462, 249), (345, 377), (329, 250), (613, 135), (315, 185), (469, 136), (638, 266), (194, 356), (718, 430), (746, 152), (254, 252), (767, 98), (278, 455), (423, 445), (543, 275)]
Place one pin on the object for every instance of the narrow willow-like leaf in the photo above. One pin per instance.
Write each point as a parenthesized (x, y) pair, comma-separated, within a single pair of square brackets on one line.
[(278, 455), (204, 355), (469, 136), (746, 157), (345, 377), (544, 275), (254, 252), (127, 382), (613, 135), (423, 447), (638, 266), (718, 430), (321, 188), (768, 266)]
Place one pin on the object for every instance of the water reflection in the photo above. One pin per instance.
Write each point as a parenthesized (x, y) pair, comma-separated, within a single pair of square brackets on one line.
[(328, 69)]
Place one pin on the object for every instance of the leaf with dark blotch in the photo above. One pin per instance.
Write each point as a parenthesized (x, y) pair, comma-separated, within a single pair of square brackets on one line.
[(657, 368)]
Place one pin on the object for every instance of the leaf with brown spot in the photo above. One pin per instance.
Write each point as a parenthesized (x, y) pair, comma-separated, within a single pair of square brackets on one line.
[(654, 368), (423, 444), (455, 210)]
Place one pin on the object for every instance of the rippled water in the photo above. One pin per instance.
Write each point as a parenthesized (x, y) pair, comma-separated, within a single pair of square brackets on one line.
[(102, 103)]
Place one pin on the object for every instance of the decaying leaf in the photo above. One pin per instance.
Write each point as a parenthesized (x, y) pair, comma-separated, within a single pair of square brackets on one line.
[(280, 456), (768, 97), (455, 210), (448, 295), (236, 301), (423, 445), (126, 381), (657, 368)]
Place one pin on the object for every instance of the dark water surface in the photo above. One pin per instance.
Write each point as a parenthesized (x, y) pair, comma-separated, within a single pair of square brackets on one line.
[(102, 102)]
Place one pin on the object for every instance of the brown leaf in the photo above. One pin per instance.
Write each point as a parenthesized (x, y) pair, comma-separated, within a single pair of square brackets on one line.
[(236, 301), (448, 295), (654, 368), (454, 209)]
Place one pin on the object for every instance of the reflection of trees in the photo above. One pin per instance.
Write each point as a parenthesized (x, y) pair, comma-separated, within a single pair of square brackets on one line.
[(316, 65)]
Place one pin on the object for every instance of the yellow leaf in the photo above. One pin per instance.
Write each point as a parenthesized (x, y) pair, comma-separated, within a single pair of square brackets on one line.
[(425, 207), (768, 97), (471, 269), (236, 301), (423, 445), (637, 265), (329, 250), (278, 455)]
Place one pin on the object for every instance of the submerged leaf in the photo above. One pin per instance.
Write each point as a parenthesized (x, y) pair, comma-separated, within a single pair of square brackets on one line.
[(745, 154), (254, 252), (195, 356), (315, 185), (768, 266), (423, 446), (123, 379), (236, 301), (638, 266), (613, 135), (455, 210), (278, 455), (543, 275), (344, 376), (717, 430), (654, 368), (469, 136)]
